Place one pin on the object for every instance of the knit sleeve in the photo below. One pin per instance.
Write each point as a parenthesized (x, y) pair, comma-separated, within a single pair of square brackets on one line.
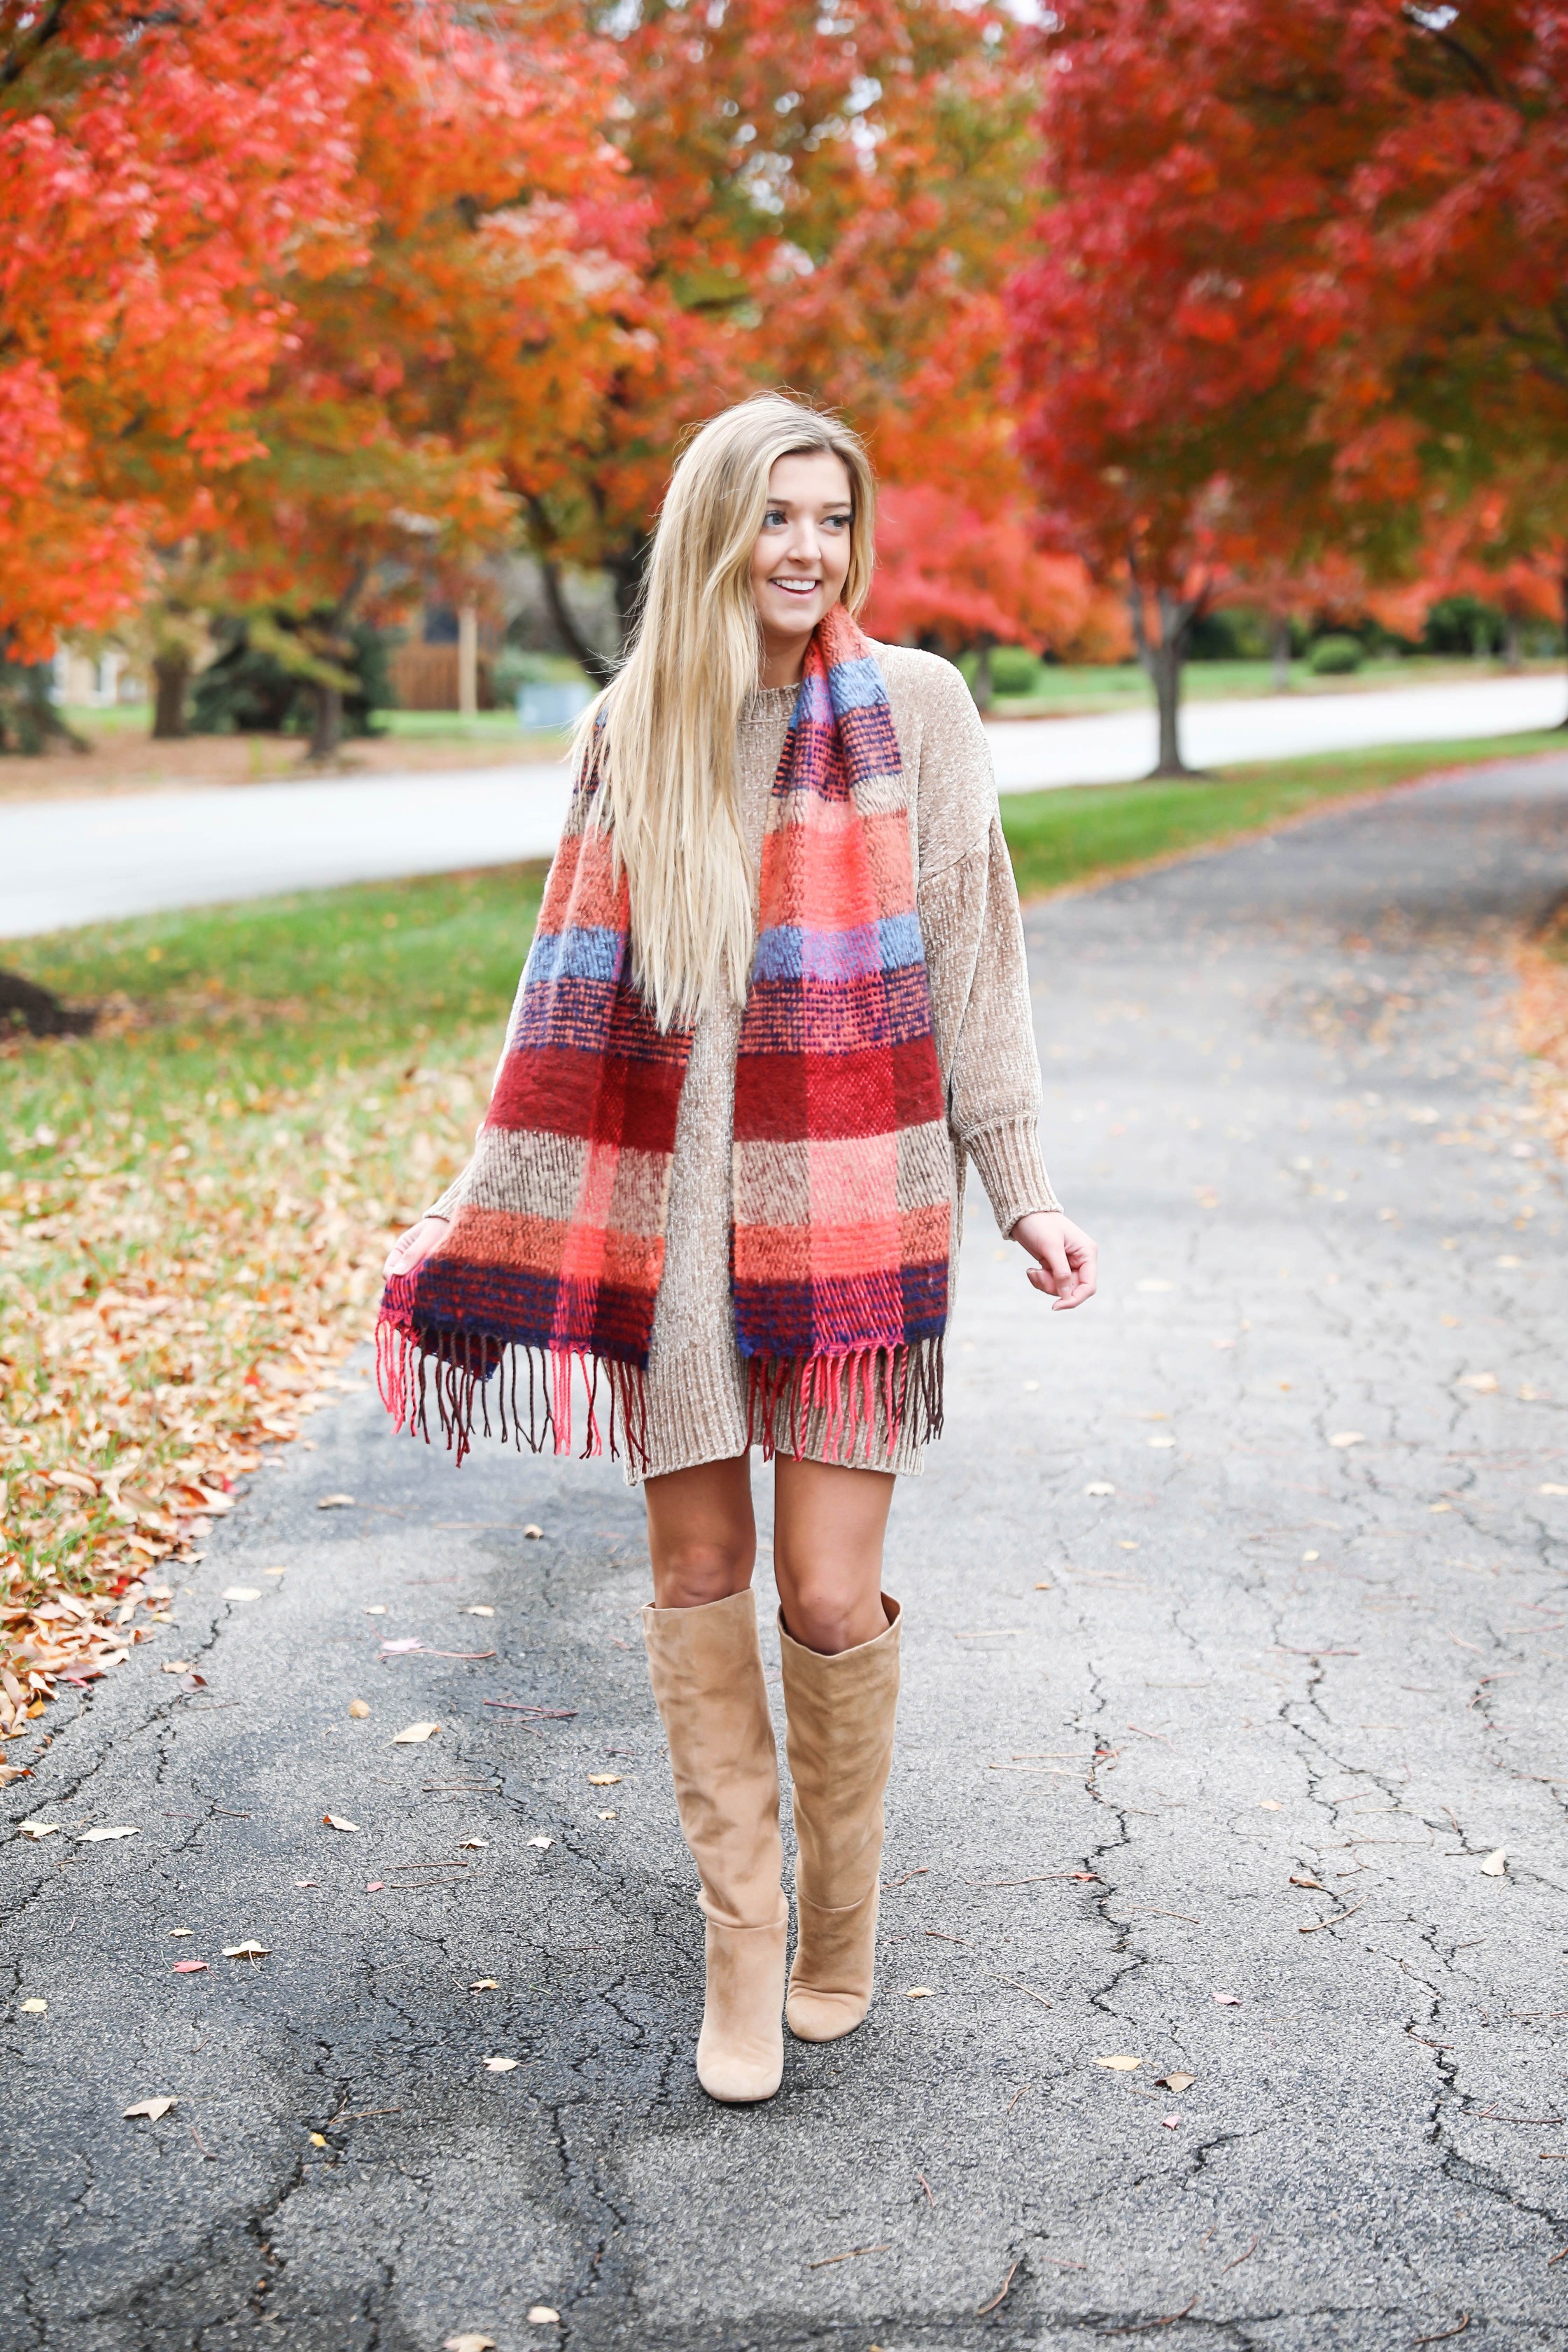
[(968, 905)]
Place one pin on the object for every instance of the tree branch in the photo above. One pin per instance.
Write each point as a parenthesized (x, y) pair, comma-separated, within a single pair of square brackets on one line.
[(15, 64)]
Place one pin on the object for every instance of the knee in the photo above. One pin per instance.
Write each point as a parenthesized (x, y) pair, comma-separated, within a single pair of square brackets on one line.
[(828, 1619), (688, 1575)]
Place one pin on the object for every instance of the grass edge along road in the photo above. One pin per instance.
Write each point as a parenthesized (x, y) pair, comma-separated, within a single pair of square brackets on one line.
[(194, 1201)]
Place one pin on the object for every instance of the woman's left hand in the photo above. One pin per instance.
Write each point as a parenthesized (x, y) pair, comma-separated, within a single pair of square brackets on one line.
[(1064, 1258)]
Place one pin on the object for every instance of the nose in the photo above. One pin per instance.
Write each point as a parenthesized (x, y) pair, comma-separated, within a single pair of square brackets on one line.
[(804, 543)]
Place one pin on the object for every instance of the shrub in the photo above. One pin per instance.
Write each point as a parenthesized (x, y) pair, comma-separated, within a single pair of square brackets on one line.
[(1336, 656), (1013, 670)]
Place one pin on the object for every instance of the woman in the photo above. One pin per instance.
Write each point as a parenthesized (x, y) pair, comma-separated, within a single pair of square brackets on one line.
[(776, 1004)]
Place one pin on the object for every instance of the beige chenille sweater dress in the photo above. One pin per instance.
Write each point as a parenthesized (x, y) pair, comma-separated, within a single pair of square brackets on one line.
[(968, 908)]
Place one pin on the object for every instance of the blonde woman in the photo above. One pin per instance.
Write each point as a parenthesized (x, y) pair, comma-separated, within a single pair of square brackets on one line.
[(776, 1006)]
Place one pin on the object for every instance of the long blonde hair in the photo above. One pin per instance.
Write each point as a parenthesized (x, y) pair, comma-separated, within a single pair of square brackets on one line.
[(667, 745)]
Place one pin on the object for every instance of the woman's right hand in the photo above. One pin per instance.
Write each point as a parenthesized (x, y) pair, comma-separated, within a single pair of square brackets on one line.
[(411, 1248)]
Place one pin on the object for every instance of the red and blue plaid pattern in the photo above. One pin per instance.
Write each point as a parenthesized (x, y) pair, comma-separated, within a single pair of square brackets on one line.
[(843, 1172), (842, 1168)]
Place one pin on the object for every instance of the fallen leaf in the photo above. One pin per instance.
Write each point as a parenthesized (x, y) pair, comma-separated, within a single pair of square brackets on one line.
[(1120, 2064), (1347, 1437), (1172, 2123), (541, 2315), (1161, 1444), (335, 1503), (181, 1931), (1270, 1805), (479, 1609), (1550, 1489), (32, 2007), (1484, 1383), (39, 1829), (1176, 2082), (470, 1845), (1227, 2000), (485, 1984), (1045, 1588), (1316, 1883), (920, 1992), (540, 1841), (398, 1648), (532, 1533), (150, 2109), (300, 1882), (1100, 1487), (603, 1780), (470, 2343), (245, 1951), (500, 2065), (376, 1886), (274, 1571), (1156, 1285), (177, 1667), (189, 1967), (358, 1709), (335, 1822), (97, 1837), (1496, 1865), (242, 1593), (318, 2139), (376, 1609), (413, 1733), (609, 1817)]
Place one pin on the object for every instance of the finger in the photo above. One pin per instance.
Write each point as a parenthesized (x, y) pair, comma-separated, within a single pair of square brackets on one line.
[(1054, 1258)]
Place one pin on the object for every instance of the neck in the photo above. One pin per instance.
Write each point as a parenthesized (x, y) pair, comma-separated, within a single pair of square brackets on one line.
[(783, 660)]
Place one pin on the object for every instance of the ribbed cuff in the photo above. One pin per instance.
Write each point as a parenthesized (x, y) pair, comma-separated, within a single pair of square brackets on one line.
[(1013, 1171)]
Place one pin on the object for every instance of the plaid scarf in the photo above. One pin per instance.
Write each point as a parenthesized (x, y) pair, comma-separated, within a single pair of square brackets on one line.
[(842, 1170)]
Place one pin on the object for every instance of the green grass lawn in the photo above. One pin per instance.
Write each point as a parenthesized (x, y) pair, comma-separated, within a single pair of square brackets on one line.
[(1095, 830)]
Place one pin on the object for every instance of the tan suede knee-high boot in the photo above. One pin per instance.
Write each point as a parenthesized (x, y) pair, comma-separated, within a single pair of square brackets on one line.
[(840, 1713), (706, 1668)]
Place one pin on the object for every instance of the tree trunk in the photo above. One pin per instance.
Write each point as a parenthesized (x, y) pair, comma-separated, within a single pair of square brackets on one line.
[(327, 727), (172, 678), (468, 661), (1280, 651), (1512, 641), (1480, 638), (983, 688), (627, 568), (1162, 661), (600, 669)]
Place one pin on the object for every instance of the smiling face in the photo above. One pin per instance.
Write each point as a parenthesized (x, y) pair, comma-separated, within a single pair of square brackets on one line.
[(801, 560)]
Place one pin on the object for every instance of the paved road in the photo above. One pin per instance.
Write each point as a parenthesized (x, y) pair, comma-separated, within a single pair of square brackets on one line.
[(1211, 1719), (89, 860)]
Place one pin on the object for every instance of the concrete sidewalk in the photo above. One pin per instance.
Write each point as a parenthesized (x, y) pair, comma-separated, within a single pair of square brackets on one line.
[(1234, 1650), (83, 861)]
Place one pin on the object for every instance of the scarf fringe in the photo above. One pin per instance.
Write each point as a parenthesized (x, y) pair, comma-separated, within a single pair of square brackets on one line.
[(875, 1393), (456, 1368)]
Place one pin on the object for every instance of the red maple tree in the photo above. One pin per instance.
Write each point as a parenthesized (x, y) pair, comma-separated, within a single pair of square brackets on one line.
[(1302, 278), (155, 174)]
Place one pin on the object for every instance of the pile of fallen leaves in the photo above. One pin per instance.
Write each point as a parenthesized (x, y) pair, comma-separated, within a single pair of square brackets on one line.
[(167, 1311), (1542, 1012)]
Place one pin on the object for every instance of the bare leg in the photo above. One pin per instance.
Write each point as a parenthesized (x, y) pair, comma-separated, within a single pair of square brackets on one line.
[(702, 1534), (829, 1523)]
